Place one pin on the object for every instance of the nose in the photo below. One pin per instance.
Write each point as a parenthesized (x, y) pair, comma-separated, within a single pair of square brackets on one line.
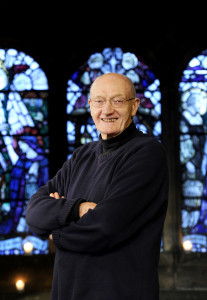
[(108, 108)]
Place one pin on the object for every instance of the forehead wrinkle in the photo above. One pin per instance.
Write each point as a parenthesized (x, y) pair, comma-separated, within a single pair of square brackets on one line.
[(112, 97)]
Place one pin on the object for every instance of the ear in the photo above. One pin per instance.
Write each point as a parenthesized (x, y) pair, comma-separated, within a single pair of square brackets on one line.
[(136, 104), (89, 102)]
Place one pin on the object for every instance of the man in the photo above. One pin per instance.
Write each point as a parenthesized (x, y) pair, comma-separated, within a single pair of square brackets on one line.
[(106, 206)]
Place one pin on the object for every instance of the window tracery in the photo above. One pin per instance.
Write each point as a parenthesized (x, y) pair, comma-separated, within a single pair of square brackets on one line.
[(80, 126)]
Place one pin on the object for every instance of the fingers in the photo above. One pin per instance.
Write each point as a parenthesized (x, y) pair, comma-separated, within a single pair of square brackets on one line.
[(55, 195)]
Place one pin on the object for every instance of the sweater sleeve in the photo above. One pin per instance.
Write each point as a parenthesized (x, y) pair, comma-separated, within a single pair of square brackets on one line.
[(136, 195), (45, 213)]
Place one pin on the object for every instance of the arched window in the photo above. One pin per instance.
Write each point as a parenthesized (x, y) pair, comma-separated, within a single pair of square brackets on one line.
[(80, 126), (23, 147), (193, 153)]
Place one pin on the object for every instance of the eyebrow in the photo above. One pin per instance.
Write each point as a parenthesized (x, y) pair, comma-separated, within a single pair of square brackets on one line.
[(117, 95)]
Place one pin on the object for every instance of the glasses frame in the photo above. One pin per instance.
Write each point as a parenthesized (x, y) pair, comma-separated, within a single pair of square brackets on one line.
[(112, 104)]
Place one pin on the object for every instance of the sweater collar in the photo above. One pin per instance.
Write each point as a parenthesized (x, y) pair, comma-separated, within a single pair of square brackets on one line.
[(112, 144)]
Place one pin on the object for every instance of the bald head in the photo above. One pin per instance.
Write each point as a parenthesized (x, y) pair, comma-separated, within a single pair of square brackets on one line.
[(116, 79)]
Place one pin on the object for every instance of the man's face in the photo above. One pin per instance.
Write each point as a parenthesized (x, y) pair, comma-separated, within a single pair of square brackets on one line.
[(111, 121)]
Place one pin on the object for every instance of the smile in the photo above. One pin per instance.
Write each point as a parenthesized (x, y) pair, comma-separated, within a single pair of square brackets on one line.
[(109, 120)]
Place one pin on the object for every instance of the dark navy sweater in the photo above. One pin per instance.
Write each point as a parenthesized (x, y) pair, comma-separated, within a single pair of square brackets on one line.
[(112, 252)]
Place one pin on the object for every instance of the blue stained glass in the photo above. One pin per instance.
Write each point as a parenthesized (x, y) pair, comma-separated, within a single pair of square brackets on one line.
[(23, 145), (144, 83), (75, 76), (193, 152), (80, 126), (111, 60)]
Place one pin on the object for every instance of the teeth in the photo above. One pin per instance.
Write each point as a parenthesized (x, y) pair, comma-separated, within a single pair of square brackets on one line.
[(109, 120)]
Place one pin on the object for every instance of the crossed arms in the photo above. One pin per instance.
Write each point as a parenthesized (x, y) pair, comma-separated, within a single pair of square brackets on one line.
[(83, 207), (124, 208)]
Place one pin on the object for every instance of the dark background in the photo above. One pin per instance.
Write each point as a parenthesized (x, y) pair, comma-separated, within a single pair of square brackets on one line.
[(60, 38)]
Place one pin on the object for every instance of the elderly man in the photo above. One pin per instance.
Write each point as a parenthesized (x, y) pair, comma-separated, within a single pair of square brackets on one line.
[(106, 206)]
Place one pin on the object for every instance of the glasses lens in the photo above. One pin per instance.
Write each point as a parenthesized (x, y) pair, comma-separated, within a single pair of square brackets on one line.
[(118, 102), (114, 102), (98, 103)]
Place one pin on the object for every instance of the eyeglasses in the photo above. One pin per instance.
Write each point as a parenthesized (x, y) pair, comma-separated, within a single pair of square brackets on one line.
[(98, 103)]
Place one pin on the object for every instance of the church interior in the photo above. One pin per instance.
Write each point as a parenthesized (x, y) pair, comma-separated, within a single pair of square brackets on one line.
[(61, 50)]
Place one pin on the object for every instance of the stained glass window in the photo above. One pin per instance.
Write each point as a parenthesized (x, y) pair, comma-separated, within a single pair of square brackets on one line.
[(80, 126), (23, 147), (193, 153)]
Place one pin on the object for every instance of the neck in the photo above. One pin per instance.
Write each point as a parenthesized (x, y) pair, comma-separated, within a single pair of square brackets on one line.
[(111, 144)]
